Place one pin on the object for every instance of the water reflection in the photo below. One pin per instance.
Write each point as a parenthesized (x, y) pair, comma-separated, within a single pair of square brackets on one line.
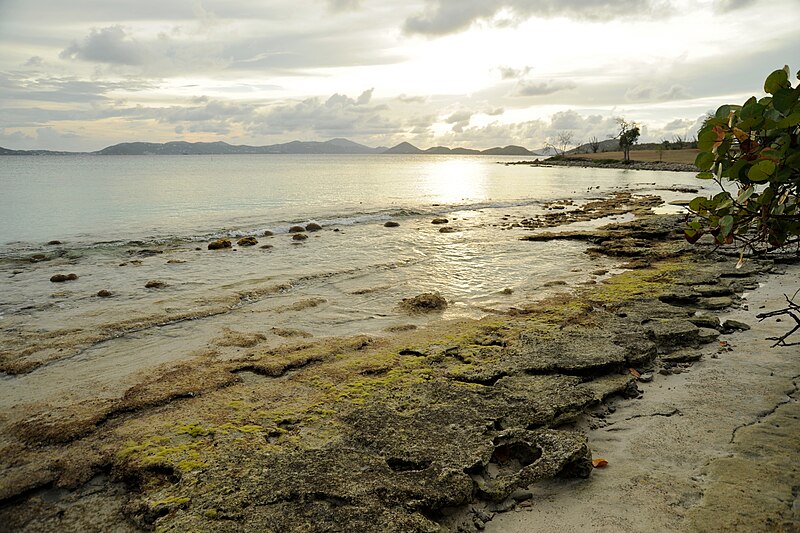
[(453, 180)]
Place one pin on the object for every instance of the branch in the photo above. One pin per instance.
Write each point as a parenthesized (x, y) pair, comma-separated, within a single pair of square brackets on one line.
[(791, 306)]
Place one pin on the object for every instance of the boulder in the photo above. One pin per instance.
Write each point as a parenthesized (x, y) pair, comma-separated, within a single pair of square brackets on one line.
[(313, 226), (155, 284), (247, 241), (268, 233), (104, 293), (296, 229), (54, 243), (219, 244), (439, 220), (391, 224), (447, 229), (299, 237), (60, 278)]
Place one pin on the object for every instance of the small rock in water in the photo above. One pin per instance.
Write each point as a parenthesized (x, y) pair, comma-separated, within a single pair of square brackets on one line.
[(175, 261), (424, 303), (439, 220), (507, 291), (447, 229), (391, 224), (313, 226), (247, 241), (155, 284), (38, 258), (219, 244), (54, 243), (299, 237), (268, 233), (266, 247), (60, 278), (104, 293), (296, 229)]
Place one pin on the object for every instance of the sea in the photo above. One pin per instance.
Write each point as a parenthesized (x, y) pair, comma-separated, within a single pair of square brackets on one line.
[(120, 223)]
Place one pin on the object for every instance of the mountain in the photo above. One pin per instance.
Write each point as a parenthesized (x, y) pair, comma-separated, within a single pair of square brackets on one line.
[(507, 150), (404, 148), (334, 146)]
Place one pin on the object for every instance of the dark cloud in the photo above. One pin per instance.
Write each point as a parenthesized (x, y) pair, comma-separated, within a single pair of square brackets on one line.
[(112, 45), (531, 88), (449, 16)]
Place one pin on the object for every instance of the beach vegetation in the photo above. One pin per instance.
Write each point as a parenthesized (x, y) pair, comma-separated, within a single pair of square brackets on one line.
[(627, 136), (752, 151)]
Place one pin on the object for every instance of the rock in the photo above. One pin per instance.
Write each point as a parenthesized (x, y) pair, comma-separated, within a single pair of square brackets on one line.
[(54, 243), (60, 278), (704, 321), (447, 229), (268, 233), (175, 261), (439, 220), (715, 303), (299, 237), (247, 241), (647, 377), (507, 291), (681, 356), (37, 258), (554, 283), (600, 272), (391, 224), (734, 325), (296, 229), (155, 284), (146, 252), (104, 293), (521, 495), (219, 244), (706, 335), (313, 226), (266, 247), (669, 334), (424, 303)]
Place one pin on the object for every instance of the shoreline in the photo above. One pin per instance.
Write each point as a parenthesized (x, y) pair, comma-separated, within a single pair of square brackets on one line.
[(433, 428), (592, 163)]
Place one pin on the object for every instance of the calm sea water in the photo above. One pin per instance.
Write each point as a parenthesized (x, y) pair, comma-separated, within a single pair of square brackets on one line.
[(96, 198)]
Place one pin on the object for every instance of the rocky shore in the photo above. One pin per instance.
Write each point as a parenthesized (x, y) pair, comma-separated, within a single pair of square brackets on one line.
[(608, 163), (434, 429)]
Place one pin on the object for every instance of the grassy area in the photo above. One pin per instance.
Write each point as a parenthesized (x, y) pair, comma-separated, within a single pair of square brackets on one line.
[(671, 156)]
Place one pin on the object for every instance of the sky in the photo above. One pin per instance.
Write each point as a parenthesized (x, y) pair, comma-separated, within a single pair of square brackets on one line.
[(84, 74)]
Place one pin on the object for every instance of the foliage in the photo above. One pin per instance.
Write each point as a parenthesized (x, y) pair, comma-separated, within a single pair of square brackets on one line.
[(755, 148), (627, 136)]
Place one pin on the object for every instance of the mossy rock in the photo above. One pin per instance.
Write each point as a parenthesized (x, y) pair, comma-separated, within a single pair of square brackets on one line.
[(313, 226), (219, 244), (247, 241), (60, 278), (297, 229)]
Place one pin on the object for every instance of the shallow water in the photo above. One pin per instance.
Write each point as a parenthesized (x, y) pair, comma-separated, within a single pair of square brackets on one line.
[(346, 279)]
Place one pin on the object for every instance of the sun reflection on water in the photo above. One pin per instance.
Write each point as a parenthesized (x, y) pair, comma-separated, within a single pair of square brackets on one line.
[(453, 180)]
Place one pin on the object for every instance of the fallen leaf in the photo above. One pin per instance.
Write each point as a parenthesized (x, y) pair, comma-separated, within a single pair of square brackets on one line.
[(634, 373), (723, 343), (599, 463)]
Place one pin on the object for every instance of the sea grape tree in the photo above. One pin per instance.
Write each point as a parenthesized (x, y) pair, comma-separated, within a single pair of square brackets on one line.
[(627, 136), (752, 152)]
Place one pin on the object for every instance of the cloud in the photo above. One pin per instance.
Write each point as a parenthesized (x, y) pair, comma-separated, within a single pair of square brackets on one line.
[(530, 88), (449, 16), (337, 116), (112, 45), (678, 124), (648, 93), (343, 5), (34, 61), (509, 73), (724, 6)]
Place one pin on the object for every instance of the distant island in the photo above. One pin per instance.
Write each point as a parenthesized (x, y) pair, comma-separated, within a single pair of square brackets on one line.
[(333, 146)]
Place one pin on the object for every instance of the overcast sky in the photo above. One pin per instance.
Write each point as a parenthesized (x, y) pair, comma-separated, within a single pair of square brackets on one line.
[(84, 74)]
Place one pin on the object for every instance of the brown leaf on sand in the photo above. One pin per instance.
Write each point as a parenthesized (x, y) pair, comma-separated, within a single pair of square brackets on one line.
[(634, 373), (599, 463)]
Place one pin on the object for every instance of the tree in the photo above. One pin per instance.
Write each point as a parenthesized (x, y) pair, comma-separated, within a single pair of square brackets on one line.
[(594, 144), (627, 136), (564, 139), (754, 150), (680, 141)]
